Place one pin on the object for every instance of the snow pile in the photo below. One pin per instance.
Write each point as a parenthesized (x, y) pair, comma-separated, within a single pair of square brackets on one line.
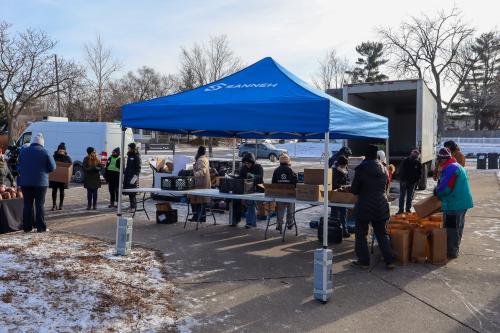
[(55, 282)]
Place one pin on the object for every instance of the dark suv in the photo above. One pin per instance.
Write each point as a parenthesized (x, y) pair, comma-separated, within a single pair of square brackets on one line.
[(261, 150)]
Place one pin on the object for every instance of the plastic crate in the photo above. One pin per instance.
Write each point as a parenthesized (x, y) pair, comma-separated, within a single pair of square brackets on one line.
[(177, 183), (236, 186)]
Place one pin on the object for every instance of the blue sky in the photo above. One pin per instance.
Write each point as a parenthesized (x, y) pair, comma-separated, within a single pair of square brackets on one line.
[(295, 33)]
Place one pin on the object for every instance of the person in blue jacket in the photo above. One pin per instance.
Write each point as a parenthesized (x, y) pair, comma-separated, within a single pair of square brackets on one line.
[(35, 164), (454, 192)]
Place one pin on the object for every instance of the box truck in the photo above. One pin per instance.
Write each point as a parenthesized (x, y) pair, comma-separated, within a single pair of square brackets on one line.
[(412, 112), (77, 136)]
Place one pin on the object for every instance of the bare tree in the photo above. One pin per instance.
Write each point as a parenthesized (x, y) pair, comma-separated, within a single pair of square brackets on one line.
[(208, 62), (332, 71), (102, 66), (435, 49), (205, 63), (27, 71), (145, 84)]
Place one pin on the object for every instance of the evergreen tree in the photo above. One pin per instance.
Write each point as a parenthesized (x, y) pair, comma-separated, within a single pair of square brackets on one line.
[(367, 69), (479, 91)]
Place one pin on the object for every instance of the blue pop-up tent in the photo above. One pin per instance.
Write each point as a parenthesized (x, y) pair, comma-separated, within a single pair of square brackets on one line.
[(263, 100)]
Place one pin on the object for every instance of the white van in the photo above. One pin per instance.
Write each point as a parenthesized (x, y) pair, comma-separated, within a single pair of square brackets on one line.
[(77, 136)]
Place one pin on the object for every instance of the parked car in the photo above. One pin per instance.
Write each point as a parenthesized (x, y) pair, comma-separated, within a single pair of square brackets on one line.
[(77, 136), (261, 150)]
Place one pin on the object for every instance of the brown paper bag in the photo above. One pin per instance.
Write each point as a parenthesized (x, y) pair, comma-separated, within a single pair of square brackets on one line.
[(400, 241), (438, 246), (420, 246)]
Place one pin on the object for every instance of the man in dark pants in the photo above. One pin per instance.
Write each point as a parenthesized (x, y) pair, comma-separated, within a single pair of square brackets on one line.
[(409, 174), (456, 198), (35, 164), (132, 172), (370, 184)]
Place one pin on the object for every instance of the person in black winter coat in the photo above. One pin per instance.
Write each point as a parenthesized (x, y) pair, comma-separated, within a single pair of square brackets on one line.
[(370, 184), (284, 175), (112, 176), (254, 171), (409, 174), (60, 155), (132, 172), (340, 178)]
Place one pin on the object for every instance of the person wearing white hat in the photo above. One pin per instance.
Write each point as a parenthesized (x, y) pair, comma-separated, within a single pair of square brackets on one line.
[(285, 175), (35, 164)]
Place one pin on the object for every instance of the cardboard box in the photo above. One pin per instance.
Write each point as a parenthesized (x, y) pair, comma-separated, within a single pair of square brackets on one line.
[(342, 197), (315, 176), (438, 246), (308, 192), (401, 245), (427, 206), (163, 206), (62, 173), (280, 190)]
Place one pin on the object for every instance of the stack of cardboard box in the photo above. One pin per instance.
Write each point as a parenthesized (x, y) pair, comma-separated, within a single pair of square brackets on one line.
[(313, 187)]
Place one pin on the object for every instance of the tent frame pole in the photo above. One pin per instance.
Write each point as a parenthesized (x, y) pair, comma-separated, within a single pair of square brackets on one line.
[(234, 156), (122, 166), (325, 184)]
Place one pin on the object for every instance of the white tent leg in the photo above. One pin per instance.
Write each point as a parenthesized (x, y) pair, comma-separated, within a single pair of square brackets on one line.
[(123, 225), (323, 283), (325, 183), (122, 166), (234, 156)]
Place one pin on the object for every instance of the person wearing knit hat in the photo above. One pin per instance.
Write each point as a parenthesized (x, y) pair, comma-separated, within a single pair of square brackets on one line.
[(112, 176), (285, 159), (284, 175), (92, 173), (340, 179), (410, 173), (370, 185), (60, 155), (38, 139), (132, 172), (35, 164), (456, 198), (455, 152), (251, 170)]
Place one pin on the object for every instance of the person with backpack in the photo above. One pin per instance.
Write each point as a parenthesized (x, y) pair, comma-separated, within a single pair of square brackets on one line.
[(410, 173), (456, 198), (370, 185), (340, 178), (92, 180), (60, 155), (112, 176), (284, 175), (132, 172)]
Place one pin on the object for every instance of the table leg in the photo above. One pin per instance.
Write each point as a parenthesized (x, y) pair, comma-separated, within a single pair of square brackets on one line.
[(187, 214)]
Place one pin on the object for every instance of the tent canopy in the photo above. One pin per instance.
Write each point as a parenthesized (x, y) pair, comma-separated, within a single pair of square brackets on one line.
[(263, 100)]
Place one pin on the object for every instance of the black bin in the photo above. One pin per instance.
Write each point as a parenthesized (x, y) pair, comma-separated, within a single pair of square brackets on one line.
[(481, 161), (493, 160), (166, 216), (236, 186)]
